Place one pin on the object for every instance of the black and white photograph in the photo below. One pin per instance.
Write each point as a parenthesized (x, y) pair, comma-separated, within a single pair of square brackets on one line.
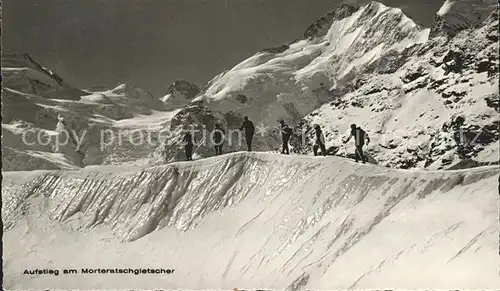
[(250, 145)]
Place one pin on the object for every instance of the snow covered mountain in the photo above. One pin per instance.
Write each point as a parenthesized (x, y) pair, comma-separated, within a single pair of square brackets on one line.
[(457, 15), (39, 105), (179, 94), (253, 221), (22, 73), (416, 103), (289, 84), (368, 65), (372, 66)]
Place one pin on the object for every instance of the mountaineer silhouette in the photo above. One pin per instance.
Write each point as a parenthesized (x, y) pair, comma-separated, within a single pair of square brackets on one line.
[(249, 132), (218, 137), (359, 137), (286, 133), (319, 141), (188, 146)]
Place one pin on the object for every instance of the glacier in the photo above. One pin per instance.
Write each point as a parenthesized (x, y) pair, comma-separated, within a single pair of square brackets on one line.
[(254, 220)]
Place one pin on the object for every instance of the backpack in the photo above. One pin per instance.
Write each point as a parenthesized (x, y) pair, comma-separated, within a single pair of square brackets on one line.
[(360, 136), (361, 133), (218, 135)]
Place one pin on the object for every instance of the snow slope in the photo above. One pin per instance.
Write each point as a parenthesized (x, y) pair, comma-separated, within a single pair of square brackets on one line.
[(258, 220), (254, 221)]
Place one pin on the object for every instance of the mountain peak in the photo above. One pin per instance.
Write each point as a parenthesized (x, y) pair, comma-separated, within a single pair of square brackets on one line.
[(23, 57), (24, 60), (180, 93), (123, 88), (457, 15), (189, 90), (321, 25), (376, 4), (22, 73), (130, 90)]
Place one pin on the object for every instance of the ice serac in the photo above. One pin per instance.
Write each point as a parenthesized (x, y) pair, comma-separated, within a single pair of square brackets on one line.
[(255, 221), (457, 15)]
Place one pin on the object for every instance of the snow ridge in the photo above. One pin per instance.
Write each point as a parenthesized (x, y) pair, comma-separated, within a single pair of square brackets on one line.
[(267, 220)]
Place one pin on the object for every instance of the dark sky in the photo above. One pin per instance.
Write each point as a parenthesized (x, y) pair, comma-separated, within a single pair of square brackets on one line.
[(151, 43)]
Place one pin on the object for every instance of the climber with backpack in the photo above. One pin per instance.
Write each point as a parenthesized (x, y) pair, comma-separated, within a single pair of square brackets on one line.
[(218, 137), (188, 145), (249, 132), (359, 138), (319, 141), (286, 133)]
